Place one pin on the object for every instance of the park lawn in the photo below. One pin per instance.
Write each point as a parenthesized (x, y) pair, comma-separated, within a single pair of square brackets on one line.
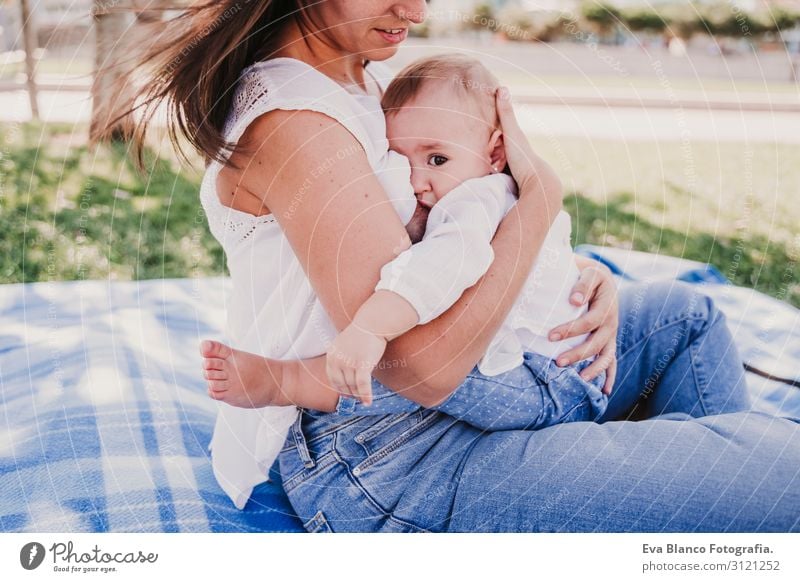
[(733, 205), (68, 213)]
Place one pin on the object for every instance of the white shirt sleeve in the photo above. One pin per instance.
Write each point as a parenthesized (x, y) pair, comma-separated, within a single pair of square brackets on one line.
[(394, 173), (456, 249)]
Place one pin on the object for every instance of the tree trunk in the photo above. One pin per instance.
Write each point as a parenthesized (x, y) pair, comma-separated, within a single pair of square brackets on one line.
[(29, 41), (110, 93), (110, 27)]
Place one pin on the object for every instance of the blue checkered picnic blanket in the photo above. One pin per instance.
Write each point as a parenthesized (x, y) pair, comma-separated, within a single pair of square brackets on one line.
[(104, 419), (105, 424)]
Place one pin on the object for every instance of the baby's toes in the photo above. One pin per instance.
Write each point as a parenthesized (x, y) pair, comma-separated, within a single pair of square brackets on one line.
[(217, 389), (216, 375), (214, 349), (213, 364)]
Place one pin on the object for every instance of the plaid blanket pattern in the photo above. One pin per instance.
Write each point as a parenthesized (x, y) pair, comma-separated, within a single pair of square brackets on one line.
[(105, 424)]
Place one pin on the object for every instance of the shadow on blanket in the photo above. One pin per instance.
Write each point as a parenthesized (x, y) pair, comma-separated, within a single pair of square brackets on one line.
[(106, 424)]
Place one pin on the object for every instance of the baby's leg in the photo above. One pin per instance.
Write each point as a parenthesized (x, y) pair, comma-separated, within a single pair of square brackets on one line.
[(536, 394), (533, 395), (248, 380)]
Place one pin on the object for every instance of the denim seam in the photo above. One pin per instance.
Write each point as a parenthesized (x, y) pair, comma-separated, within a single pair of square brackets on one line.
[(383, 425), (326, 432), (697, 372), (321, 464), (367, 495), (318, 522), (488, 379), (658, 329), (398, 442)]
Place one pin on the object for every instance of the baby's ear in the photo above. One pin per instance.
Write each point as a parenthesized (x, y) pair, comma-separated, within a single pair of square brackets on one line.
[(497, 150)]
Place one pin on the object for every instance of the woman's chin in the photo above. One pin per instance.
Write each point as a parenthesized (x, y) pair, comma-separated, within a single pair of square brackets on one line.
[(382, 53)]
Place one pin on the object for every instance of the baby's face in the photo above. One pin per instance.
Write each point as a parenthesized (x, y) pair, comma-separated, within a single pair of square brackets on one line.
[(445, 142)]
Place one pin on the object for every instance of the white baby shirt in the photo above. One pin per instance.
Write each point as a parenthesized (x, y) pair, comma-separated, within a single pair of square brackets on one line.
[(456, 251)]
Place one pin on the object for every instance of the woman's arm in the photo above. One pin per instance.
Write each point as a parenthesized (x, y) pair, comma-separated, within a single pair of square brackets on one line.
[(343, 230)]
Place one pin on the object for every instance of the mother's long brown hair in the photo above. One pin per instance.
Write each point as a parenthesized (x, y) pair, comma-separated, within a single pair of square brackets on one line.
[(190, 63)]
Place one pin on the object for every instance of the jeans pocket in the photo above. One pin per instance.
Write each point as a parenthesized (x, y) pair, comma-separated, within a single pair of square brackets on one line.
[(393, 436), (369, 437), (318, 524)]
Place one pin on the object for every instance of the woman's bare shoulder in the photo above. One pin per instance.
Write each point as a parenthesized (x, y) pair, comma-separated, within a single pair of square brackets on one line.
[(281, 134), (281, 141)]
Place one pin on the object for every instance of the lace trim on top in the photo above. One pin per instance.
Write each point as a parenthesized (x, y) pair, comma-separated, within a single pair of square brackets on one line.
[(249, 102)]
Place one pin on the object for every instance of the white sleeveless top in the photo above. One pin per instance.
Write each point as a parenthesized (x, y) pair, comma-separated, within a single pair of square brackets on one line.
[(273, 309)]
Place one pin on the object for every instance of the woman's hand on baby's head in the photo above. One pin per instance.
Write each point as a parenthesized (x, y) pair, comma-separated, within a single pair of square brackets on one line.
[(532, 173), (350, 360)]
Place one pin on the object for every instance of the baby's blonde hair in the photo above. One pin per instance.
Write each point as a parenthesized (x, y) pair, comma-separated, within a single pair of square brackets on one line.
[(468, 76)]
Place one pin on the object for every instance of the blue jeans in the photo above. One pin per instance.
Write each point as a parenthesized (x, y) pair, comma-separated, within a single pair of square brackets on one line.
[(695, 459), (536, 394)]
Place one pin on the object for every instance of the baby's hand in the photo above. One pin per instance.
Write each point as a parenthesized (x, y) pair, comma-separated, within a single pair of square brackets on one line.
[(351, 358)]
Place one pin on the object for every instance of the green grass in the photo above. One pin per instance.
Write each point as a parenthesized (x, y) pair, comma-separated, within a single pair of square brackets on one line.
[(732, 205), (69, 213)]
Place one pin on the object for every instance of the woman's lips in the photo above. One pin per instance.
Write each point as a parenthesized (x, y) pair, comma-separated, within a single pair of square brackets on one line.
[(424, 204), (393, 35)]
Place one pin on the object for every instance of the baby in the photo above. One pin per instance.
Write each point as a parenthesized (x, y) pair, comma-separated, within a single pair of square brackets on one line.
[(441, 116)]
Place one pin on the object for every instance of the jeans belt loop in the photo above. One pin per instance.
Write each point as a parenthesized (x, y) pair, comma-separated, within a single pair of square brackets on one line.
[(300, 441), (346, 405)]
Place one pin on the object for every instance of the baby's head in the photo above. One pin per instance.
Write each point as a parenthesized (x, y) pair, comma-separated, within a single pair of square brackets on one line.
[(441, 114)]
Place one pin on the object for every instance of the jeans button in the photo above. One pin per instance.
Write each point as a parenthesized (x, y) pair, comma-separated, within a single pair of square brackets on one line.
[(357, 471), (359, 439)]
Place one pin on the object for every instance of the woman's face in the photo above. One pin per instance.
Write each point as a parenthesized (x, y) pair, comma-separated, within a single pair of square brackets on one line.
[(372, 27)]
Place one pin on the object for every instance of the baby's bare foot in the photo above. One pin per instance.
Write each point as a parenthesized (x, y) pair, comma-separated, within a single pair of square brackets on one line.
[(240, 378)]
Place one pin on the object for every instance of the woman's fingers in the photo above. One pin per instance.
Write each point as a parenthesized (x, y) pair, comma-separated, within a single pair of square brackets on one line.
[(598, 286), (519, 154), (508, 120), (603, 361), (586, 323), (587, 349), (534, 176), (588, 281), (611, 376)]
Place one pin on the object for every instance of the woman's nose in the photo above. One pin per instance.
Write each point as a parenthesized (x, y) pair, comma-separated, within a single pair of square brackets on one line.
[(412, 11)]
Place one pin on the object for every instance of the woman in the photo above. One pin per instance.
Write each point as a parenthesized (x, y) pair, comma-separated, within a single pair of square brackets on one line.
[(321, 245)]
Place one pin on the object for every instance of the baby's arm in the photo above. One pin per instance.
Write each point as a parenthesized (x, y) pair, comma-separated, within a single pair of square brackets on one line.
[(456, 249), (357, 350), (423, 281)]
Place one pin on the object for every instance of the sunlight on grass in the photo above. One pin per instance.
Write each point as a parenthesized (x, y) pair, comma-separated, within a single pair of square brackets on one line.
[(731, 205), (69, 213)]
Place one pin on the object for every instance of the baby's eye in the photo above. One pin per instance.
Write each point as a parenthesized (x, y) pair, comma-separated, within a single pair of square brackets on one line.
[(437, 160)]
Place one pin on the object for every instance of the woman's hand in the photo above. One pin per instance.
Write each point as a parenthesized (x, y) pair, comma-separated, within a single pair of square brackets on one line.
[(602, 320), (532, 173)]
